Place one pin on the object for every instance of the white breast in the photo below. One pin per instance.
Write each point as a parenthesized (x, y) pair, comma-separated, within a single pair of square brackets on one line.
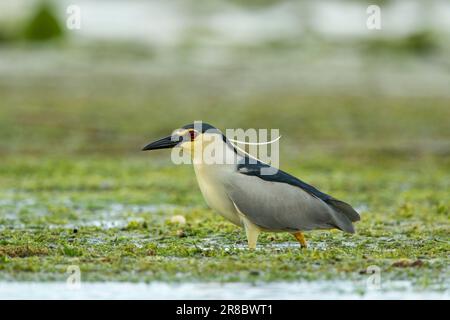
[(211, 180)]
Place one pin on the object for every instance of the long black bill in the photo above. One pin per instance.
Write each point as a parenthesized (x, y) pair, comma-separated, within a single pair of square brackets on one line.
[(163, 143)]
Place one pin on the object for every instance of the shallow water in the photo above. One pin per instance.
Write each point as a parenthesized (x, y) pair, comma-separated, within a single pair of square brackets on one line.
[(160, 290), (104, 215)]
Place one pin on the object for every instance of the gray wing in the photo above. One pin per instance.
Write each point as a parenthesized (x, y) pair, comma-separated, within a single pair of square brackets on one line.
[(284, 203)]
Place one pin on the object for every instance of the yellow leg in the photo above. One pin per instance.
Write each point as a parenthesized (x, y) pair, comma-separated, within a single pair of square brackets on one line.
[(300, 238), (252, 232)]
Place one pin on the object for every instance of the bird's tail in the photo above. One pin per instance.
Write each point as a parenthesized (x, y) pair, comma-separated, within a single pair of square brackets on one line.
[(344, 216)]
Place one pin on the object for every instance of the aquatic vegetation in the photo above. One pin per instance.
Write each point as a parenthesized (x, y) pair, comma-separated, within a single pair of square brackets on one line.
[(76, 190), (123, 231)]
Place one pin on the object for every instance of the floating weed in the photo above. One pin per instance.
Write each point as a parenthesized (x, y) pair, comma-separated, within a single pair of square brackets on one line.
[(21, 251), (71, 251), (125, 233)]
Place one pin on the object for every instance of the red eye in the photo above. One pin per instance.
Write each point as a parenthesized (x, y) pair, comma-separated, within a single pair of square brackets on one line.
[(193, 134)]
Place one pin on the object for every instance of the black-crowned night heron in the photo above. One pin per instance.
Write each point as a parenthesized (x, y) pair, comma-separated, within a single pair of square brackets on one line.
[(238, 190)]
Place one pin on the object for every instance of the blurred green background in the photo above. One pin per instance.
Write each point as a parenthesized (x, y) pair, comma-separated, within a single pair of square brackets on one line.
[(137, 70), (363, 114), (344, 98)]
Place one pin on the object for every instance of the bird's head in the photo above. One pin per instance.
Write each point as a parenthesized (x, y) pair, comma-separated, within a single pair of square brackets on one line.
[(189, 137)]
